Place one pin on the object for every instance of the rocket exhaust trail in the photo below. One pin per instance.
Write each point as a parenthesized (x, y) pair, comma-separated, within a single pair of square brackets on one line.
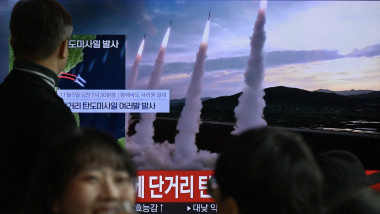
[(126, 66), (189, 121), (249, 112), (163, 156), (105, 57), (127, 118), (135, 68), (91, 66), (81, 69), (131, 83), (263, 5), (144, 129)]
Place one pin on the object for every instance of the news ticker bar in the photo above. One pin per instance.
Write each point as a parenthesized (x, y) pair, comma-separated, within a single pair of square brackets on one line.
[(175, 208), (116, 101)]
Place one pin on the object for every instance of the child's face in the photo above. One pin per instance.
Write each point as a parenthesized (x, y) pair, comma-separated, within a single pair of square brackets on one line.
[(96, 190)]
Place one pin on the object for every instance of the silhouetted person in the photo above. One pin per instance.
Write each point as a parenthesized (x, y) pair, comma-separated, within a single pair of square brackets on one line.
[(30, 110), (342, 172), (82, 171), (267, 172), (362, 201)]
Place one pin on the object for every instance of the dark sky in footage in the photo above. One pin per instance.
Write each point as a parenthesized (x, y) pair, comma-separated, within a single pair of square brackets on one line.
[(310, 44)]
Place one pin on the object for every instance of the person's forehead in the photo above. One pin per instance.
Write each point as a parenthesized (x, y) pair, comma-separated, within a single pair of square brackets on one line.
[(102, 167)]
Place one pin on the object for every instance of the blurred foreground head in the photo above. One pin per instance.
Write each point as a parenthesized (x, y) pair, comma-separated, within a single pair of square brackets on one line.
[(82, 171), (268, 171), (342, 172), (363, 201)]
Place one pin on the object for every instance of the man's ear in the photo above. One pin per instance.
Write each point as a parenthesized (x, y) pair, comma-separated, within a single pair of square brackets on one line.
[(63, 49), (230, 206)]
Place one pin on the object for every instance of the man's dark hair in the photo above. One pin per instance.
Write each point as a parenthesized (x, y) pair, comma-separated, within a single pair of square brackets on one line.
[(38, 27), (270, 171), (363, 201), (342, 172)]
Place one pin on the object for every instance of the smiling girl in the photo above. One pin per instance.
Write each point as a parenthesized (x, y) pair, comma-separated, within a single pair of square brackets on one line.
[(85, 172)]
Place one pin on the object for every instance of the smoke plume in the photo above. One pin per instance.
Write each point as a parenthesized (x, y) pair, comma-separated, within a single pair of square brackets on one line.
[(131, 82), (144, 129), (183, 154), (249, 112)]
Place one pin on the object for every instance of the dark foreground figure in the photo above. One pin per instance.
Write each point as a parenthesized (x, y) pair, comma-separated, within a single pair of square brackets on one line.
[(30, 110), (267, 172)]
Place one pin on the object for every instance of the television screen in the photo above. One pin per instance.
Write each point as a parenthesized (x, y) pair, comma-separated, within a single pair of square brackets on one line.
[(310, 46)]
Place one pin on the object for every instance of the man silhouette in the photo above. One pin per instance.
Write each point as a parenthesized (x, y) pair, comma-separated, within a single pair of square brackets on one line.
[(30, 110)]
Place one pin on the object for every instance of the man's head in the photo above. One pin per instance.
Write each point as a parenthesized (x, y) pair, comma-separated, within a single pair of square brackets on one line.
[(38, 28), (342, 172), (268, 171)]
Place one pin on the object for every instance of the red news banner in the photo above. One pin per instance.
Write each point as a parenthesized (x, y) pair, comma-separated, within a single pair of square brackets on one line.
[(375, 181), (173, 186), (180, 186)]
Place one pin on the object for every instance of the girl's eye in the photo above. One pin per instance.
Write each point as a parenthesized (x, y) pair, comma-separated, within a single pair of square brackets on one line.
[(122, 179), (91, 177)]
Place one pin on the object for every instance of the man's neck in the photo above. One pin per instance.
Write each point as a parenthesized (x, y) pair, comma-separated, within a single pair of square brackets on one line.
[(46, 73), (48, 63)]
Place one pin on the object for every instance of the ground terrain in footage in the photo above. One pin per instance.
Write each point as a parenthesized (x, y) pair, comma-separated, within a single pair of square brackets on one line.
[(326, 121), (297, 108)]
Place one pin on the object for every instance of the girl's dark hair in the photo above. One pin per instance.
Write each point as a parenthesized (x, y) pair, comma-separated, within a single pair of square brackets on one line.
[(270, 171), (69, 153)]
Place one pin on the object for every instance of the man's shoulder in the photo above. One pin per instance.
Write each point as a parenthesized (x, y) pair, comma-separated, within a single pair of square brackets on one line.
[(25, 85), (29, 93), (32, 98)]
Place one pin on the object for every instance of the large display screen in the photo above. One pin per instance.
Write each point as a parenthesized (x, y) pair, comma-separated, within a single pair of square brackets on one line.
[(323, 46)]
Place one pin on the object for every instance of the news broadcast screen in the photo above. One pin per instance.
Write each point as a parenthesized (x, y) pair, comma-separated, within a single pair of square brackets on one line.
[(175, 81)]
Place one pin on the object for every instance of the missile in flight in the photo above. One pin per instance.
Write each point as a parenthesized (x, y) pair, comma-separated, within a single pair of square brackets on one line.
[(81, 78)]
